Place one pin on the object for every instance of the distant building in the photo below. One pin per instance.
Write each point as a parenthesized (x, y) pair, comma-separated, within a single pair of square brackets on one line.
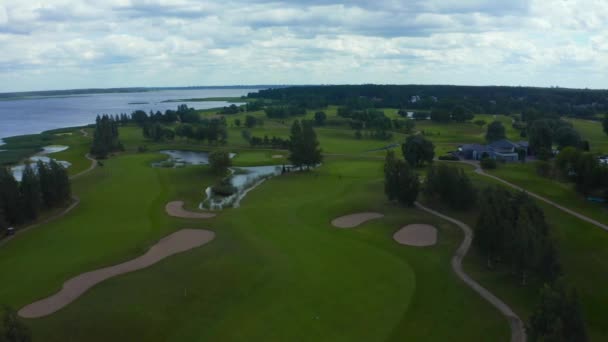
[(500, 150)]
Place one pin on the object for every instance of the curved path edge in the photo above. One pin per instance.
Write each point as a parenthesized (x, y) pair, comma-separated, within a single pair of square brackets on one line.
[(75, 203), (518, 330)]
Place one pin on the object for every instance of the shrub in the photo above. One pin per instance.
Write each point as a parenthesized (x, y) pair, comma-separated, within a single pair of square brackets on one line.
[(449, 157), (223, 189), (488, 163)]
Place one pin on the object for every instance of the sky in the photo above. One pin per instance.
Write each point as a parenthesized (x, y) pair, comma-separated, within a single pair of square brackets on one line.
[(66, 44)]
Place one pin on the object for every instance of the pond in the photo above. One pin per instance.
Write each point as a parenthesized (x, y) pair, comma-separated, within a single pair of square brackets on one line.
[(180, 158), (243, 179), (17, 170)]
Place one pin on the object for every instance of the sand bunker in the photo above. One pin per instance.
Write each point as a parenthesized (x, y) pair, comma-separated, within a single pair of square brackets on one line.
[(419, 235), (277, 156), (176, 209), (177, 242), (354, 220)]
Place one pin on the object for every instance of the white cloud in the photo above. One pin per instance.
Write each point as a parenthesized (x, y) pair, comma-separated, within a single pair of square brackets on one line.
[(83, 43)]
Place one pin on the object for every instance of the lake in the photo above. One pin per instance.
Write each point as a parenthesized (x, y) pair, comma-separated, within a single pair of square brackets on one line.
[(35, 115)]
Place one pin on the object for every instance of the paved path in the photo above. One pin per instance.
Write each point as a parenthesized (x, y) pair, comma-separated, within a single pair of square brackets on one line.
[(480, 171), (75, 203), (518, 331)]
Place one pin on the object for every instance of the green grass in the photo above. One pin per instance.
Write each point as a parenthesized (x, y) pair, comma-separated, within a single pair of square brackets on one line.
[(276, 271), (562, 193), (593, 132)]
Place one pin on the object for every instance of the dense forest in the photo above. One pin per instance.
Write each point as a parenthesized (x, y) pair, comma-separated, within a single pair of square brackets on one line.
[(479, 99)]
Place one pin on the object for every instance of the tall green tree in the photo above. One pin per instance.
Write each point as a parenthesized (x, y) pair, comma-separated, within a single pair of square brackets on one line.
[(605, 123), (30, 192), (219, 161), (296, 145), (11, 200), (451, 186), (105, 137), (495, 131), (540, 135), (417, 150), (391, 181), (408, 183), (311, 152), (567, 136), (558, 317)]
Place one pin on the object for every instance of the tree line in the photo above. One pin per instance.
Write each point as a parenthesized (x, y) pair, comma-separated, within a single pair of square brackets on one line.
[(43, 186), (478, 99)]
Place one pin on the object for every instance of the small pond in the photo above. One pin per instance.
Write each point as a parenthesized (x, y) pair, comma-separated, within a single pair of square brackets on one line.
[(180, 158), (17, 170), (243, 179)]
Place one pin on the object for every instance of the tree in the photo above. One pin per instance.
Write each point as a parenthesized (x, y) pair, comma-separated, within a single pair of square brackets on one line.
[(408, 183), (250, 121), (440, 115), (566, 136), (105, 137), (495, 131), (480, 123), (401, 183), (460, 114), (311, 151), (540, 135), (10, 197), (320, 118), (219, 162), (558, 317), (417, 150), (237, 122), (487, 163), (296, 145), (451, 186), (12, 329), (605, 123), (391, 182), (30, 192)]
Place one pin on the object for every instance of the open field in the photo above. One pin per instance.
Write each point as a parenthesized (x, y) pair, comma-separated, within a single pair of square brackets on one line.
[(592, 131)]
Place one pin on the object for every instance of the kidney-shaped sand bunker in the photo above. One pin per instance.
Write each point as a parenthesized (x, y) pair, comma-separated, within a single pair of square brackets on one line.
[(419, 235)]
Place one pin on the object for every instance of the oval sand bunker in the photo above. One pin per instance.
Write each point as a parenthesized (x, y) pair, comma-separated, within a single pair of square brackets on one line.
[(354, 220), (176, 209), (419, 235), (177, 242)]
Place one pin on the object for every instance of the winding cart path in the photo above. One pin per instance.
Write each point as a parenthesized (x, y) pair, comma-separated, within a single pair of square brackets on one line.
[(518, 331)]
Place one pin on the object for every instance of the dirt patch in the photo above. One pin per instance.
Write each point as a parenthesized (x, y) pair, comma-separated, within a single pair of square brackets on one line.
[(177, 242), (354, 220), (419, 235), (176, 209), (277, 156)]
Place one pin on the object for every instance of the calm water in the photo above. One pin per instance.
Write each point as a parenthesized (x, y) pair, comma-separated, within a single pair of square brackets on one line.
[(31, 116)]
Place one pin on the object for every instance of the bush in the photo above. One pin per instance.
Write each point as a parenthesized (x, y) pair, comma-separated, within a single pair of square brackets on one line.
[(449, 157), (223, 189), (488, 163)]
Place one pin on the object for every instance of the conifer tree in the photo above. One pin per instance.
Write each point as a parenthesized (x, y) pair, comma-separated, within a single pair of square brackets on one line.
[(391, 182), (296, 145), (30, 192), (311, 151), (11, 198)]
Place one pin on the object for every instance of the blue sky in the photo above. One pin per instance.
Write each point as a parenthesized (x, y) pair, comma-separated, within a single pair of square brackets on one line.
[(61, 44)]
